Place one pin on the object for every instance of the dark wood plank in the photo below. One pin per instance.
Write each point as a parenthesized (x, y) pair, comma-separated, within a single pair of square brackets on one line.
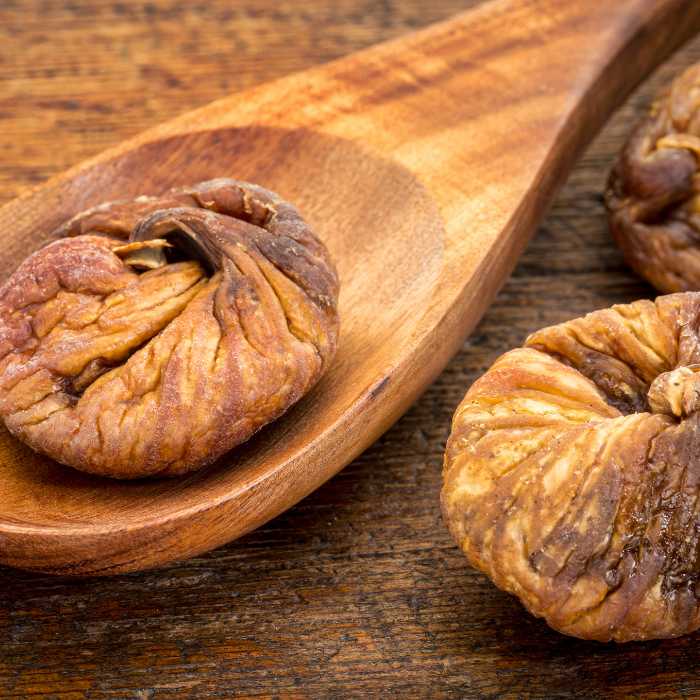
[(77, 76), (358, 591)]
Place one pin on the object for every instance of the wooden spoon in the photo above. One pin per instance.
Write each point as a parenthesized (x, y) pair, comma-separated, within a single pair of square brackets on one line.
[(425, 164)]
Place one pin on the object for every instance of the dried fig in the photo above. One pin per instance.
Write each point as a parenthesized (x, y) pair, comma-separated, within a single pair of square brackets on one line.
[(572, 473), (653, 193), (129, 373)]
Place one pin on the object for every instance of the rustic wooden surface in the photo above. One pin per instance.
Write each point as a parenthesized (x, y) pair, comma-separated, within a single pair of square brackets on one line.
[(446, 146), (358, 591)]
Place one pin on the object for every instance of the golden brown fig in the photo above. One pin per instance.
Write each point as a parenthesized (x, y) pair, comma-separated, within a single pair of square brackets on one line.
[(130, 375), (572, 474), (653, 194)]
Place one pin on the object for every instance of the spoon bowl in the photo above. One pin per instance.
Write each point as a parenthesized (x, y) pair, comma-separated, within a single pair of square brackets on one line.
[(425, 165)]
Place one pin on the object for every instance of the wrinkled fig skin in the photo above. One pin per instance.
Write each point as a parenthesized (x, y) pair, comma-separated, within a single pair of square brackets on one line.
[(653, 193), (156, 374), (572, 474)]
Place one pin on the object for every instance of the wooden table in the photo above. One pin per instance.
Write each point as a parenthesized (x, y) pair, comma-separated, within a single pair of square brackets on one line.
[(358, 591)]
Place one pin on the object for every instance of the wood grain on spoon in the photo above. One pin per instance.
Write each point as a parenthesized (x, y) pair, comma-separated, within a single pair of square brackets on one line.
[(425, 164)]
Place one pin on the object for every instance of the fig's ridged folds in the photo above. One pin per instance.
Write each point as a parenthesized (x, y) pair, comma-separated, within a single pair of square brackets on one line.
[(653, 195), (224, 317), (572, 474)]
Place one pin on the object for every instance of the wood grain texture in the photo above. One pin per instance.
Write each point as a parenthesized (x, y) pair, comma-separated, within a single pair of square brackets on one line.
[(358, 591), (424, 164)]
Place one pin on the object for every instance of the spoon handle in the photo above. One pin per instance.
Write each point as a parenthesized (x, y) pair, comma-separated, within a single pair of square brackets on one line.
[(490, 109)]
